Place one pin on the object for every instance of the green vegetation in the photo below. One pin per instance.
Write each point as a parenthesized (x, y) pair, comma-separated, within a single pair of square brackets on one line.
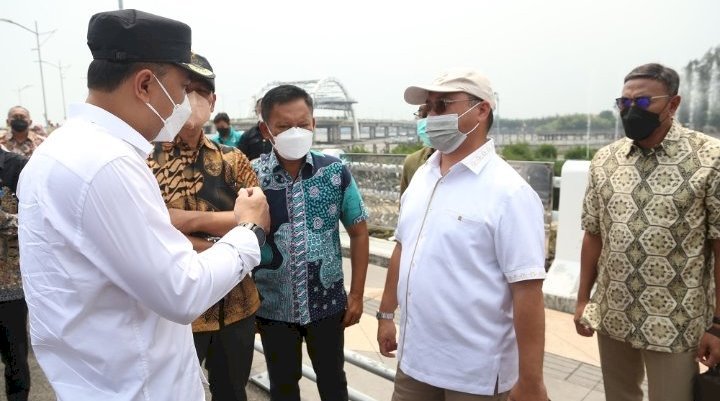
[(518, 151), (406, 148), (544, 152), (357, 149), (579, 153), (570, 122)]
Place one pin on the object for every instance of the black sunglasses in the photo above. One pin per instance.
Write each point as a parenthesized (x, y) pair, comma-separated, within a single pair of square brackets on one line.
[(642, 102), (441, 105)]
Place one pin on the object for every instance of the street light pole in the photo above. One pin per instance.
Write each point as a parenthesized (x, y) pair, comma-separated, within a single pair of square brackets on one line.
[(37, 42), (19, 91), (42, 76), (60, 68)]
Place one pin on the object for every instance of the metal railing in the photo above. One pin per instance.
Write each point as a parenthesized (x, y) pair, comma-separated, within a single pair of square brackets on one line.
[(262, 380)]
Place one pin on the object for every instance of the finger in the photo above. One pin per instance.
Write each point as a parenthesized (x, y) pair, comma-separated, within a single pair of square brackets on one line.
[(243, 192), (250, 191), (702, 352)]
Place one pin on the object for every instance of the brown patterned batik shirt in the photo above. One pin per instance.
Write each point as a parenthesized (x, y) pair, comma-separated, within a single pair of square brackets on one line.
[(207, 179), (10, 283), (655, 211), (26, 147)]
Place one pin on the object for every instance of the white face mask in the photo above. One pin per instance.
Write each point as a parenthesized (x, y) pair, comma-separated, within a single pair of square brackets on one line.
[(293, 144), (443, 132), (174, 123)]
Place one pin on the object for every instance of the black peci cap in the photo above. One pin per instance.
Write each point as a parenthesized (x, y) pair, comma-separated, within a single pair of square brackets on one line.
[(137, 36), (201, 68)]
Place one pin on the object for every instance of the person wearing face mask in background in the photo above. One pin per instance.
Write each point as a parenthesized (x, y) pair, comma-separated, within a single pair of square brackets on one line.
[(20, 139), (225, 135), (199, 180), (469, 256), (302, 286), (416, 159), (651, 217), (252, 142), (111, 285)]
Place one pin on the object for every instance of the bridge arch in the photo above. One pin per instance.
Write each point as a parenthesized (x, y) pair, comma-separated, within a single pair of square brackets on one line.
[(330, 98)]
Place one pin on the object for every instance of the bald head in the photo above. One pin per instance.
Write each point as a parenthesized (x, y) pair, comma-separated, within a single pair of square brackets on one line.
[(18, 109)]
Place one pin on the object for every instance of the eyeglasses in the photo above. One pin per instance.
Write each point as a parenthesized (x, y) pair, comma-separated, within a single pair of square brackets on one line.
[(421, 113), (441, 105), (642, 102)]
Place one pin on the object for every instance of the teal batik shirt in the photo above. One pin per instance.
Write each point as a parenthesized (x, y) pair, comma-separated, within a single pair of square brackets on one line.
[(302, 281)]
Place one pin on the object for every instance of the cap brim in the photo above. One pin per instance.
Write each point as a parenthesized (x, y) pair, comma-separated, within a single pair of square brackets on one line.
[(196, 69), (418, 94)]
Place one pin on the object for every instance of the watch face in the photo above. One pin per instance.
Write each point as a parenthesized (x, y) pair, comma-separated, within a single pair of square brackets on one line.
[(260, 234)]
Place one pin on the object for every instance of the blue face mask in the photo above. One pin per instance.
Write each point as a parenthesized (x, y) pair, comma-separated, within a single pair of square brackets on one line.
[(421, 133)]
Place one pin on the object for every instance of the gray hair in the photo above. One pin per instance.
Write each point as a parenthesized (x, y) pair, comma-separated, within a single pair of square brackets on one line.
[(658, 72)]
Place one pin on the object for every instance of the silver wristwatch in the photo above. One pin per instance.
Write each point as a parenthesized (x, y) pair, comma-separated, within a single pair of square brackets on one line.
[(257, 230), (385, 315)]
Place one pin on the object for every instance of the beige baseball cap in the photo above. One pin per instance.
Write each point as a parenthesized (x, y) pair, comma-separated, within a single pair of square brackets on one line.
[(459, 80)]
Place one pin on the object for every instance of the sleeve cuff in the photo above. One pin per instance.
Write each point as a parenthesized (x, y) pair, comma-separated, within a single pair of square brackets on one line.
[(524, 274), (244, 242)]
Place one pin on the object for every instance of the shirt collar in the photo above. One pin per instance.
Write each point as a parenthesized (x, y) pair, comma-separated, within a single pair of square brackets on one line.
[(204, 142), (474, 162), (275, 165), (670, 144), (112, 124)]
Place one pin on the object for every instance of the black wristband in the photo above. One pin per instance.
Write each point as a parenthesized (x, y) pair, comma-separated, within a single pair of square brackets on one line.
[(716, 319)]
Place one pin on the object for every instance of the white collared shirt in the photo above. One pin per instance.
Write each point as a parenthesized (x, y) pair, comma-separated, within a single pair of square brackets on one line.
[(111, 286), (465, 237)]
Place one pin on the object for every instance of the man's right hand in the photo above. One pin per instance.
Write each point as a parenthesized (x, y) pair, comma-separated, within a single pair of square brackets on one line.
[(251, 207), (582, 329), (387, 337)]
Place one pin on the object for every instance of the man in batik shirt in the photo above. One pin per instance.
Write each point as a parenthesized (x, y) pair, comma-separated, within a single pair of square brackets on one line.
[(302, 290), (199, 180), (20, 138), (652, 246), (13, 310)]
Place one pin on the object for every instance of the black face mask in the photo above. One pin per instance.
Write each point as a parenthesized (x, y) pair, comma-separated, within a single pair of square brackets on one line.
[(639, 123), (223, 131), (19, 125)]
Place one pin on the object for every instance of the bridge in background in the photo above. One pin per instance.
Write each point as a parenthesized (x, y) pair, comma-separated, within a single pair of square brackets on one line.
[(337, 122)]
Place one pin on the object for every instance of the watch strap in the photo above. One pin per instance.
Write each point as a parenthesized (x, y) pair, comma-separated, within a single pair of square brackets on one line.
[(385, 315)]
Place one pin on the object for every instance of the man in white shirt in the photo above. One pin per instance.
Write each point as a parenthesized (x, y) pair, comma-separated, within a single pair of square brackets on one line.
[(111, 286), (468, 265)]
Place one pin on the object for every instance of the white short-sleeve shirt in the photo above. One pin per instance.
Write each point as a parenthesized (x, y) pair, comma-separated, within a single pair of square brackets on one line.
[(465, 237)]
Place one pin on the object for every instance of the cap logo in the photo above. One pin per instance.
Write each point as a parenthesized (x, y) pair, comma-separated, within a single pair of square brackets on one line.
[(200, 70)]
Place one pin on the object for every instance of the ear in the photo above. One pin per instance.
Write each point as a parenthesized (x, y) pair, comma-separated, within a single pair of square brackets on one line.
[(140, 84), (313, 125), (484, 110), (213, 98), (264, 131), (674, 104)]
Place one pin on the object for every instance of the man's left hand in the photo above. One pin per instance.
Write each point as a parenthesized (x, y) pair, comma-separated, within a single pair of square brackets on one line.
[(708, 352), (354, 310), (528, 392)]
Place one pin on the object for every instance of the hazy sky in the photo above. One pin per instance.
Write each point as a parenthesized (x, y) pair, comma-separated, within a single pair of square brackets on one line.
[(543, 57)]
